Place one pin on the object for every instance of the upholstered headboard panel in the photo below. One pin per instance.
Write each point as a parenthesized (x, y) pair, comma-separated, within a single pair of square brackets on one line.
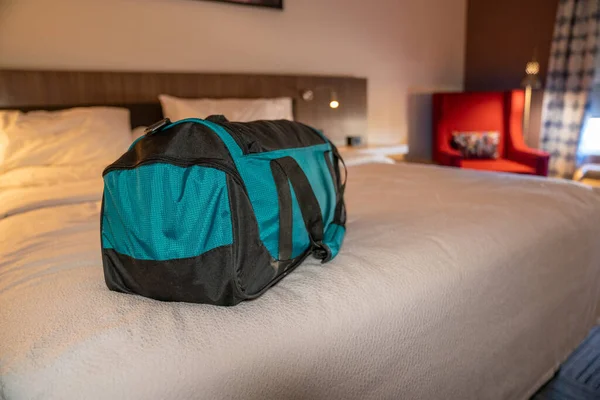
[(138, 91)]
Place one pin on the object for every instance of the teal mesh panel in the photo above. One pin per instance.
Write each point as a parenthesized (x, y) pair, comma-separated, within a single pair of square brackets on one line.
[(165, 212), (256, 172), (334, 236), (300, 239)]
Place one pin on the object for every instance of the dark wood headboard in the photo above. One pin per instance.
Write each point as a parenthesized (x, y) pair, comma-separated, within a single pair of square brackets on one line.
[(138, 91)]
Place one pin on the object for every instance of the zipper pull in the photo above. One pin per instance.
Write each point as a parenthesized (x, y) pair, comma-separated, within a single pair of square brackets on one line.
[(217, 119), (157, 126), (321, 251)]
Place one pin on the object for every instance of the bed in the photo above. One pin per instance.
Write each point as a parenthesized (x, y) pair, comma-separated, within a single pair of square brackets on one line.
[(450, 285)]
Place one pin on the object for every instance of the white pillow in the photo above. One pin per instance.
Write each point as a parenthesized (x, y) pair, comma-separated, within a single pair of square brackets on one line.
[(238, 110), (77, 136)]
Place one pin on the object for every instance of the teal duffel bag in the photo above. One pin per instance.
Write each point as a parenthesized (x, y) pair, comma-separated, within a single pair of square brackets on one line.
[(212, 211)]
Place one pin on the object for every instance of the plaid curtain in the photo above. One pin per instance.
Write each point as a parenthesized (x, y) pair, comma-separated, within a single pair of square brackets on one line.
[(570, 79)]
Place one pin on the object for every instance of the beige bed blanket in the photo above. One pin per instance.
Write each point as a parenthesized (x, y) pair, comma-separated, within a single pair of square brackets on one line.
[(450, 285)]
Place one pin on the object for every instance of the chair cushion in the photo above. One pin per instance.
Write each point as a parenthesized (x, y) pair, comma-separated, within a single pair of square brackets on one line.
[(476, 145), (499, 165)]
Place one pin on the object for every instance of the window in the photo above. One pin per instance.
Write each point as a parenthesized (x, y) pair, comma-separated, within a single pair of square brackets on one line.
[(589, 144), (590, 137)]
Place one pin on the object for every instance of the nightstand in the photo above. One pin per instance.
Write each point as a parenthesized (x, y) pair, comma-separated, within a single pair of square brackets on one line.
[(407, 158), (588, 174), (389, 151)]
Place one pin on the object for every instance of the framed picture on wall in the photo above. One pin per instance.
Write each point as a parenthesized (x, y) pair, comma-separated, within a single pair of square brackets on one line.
[(261, 3)]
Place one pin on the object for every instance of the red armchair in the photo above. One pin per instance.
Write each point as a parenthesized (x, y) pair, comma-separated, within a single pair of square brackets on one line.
[(485, 111)]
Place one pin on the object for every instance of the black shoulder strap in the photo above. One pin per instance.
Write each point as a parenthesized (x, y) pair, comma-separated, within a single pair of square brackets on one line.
[(309, 205)]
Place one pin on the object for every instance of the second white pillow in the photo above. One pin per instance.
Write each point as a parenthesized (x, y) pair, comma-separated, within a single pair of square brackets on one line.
[(235, 110)]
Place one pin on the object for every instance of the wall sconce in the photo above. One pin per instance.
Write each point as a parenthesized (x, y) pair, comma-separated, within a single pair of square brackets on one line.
[(309, 95), (530, 82), (333, 101)]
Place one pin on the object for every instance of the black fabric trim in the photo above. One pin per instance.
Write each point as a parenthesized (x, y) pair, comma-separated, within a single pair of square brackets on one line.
[(201, 279), (283, 267), (253, 267), (185, 143), (264, 136), (284, 195)]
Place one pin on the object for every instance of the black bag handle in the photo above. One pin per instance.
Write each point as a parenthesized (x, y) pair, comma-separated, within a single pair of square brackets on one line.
[(309, 205), (339, 214), (339, 158)]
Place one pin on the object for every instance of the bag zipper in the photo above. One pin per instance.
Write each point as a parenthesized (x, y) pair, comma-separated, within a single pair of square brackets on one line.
[(246, 145), (243, 144), (210, 162), (236, 135)]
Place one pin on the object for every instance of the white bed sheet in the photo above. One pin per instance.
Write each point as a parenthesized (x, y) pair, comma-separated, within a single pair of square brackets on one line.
[(450, 285)]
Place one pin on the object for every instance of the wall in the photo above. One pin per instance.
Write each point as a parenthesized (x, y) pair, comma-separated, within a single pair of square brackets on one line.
[(501, 38), (398, 45)]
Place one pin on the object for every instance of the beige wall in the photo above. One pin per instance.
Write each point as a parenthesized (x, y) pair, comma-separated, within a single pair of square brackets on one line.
[(399, 45)]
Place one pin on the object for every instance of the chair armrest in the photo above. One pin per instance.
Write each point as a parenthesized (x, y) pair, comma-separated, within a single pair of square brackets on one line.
[(442, 153), (533, 158), (517, 149), (450, 157)]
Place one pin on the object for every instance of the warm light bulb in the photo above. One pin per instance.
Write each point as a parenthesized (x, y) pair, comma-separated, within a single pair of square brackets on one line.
[(334, 104), (532, 68)]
